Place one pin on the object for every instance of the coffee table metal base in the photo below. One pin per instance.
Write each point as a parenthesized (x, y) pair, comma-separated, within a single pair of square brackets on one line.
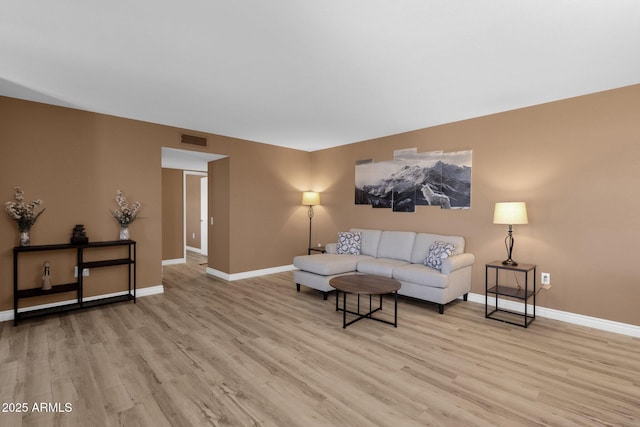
[(367, 315)]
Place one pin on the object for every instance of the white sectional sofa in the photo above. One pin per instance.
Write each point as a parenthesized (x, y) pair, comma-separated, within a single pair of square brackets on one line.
[(397, 254)]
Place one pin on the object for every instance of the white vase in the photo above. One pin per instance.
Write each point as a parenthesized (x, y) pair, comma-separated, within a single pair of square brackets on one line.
[(124, 232), (25, 237)]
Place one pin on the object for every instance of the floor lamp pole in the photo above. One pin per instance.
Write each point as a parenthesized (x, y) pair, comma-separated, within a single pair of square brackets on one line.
[(310, 213)]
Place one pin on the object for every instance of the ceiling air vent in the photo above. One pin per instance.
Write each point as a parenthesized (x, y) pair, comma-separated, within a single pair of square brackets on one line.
[(194, 140)]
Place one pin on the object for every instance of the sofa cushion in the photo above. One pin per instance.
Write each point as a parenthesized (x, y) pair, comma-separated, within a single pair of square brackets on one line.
[(424, 241), (349, 243), (396, 245), (438, 252), (328, 264), (370, 240), (379, 266), (420, 274)]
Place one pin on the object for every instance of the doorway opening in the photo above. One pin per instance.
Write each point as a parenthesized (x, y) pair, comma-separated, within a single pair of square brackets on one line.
[(185, 219), (195, 217)]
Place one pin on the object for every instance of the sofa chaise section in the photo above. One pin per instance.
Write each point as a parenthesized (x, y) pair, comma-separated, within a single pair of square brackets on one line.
[(315, 271)]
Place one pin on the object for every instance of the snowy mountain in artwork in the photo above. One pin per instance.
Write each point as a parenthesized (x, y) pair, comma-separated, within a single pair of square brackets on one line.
[(442, 184)]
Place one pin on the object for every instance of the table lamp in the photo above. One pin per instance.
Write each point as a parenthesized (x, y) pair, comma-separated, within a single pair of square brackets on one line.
[(510, 213)]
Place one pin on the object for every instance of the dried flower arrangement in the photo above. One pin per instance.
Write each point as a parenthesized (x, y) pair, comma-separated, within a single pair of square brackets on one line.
[(23, 213), (125, 214)]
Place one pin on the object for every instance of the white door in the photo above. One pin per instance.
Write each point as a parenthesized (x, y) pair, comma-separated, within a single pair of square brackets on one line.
[(204, 230)]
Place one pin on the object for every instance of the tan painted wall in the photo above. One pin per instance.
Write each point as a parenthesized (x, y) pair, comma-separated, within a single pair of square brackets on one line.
[(75, 161), (266, 185), (193, 211), (172, 214), (577, 165), (219, 233)]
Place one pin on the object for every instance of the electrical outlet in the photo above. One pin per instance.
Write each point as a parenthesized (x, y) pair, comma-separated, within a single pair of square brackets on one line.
[(85, 272), (545, 279), (194, 235)]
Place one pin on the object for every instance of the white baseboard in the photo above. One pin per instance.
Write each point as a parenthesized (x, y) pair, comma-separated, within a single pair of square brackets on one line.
[(564, 316), (248, 274), (192, 249), (150, 290), (174, 261), (142, 292)]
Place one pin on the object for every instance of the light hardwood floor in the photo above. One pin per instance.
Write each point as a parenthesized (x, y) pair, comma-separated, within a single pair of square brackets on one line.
[(256, 352)]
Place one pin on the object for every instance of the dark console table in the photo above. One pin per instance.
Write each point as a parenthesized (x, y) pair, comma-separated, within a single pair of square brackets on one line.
[(78, 285)]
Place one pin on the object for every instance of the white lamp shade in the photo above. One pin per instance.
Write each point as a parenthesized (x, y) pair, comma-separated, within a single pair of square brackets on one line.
[(510, 213), (310, 198)]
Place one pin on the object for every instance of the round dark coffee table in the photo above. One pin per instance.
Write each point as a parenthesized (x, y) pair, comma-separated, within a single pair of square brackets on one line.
[(367, 284)]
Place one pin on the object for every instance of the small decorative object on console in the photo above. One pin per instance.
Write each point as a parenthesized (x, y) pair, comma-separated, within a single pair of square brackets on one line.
[(79, 236), (46, 276)]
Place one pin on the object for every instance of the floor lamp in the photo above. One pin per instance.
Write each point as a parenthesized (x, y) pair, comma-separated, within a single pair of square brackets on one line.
[(510, 213), (310, 198)]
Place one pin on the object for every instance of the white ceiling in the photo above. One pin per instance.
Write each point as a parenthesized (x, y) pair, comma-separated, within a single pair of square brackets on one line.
[(312, 74)]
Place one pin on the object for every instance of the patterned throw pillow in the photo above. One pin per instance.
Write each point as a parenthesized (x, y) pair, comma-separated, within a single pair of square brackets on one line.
[(349, 243), (438, 252)]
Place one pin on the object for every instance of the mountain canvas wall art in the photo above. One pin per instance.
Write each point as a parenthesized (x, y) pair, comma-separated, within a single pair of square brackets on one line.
[(413, 179)]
